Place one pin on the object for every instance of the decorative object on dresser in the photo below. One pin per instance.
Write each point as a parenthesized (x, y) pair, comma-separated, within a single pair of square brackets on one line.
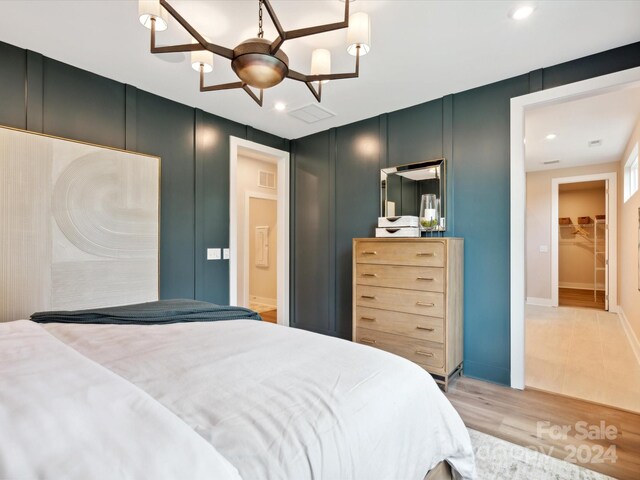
[(404, 226), (408, 300)]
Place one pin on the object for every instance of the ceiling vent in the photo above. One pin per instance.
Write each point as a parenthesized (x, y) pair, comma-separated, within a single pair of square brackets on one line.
[(551, 162), (311, 113), (595, 143)]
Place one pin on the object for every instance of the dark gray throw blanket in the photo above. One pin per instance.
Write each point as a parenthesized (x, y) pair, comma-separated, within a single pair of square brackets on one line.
[(151, 313)]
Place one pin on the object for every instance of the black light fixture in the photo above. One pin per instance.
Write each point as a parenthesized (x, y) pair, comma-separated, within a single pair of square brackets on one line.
[(260, 63)]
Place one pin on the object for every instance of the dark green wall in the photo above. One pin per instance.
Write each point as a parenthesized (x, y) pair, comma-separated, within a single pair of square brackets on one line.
[(335, 190), (47, 96), (337, 195)]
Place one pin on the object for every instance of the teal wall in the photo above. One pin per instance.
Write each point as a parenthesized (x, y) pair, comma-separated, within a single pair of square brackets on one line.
[(335, 175), (47, 96), (337, 193)]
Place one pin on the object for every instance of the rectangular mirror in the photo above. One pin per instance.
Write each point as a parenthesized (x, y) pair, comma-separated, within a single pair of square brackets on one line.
[(402, 188)]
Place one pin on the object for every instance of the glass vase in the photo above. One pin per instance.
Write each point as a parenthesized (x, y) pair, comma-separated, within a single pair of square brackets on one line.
[(429, 213)]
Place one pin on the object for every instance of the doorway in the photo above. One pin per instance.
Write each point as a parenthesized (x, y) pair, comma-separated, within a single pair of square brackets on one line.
[(259, 229), (577, 342), (582, 246), (260, 254), (518, 247)]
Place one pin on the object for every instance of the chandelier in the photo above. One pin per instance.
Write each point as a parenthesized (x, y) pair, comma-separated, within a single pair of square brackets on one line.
[(258, 62)]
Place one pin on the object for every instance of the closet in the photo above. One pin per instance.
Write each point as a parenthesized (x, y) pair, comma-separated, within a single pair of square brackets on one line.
[(582, 245)]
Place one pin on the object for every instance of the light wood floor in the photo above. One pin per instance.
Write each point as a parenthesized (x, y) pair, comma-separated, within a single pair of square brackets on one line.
[(572, 297), (583, 353), (514, 416), (270, 316)]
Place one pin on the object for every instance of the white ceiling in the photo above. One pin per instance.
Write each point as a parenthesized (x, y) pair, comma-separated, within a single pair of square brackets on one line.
[(420, 50), (608, 117)]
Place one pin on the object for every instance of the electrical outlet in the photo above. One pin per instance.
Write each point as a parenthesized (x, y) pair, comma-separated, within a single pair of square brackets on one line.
[(213, 254), (225, 254), (544, 249)]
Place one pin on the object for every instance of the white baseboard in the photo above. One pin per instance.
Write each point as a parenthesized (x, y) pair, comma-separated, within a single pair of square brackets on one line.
[(631, 335), (581, 286), (542, 302)]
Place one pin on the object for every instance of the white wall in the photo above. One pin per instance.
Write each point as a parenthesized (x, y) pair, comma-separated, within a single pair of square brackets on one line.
[(263, 280), (575, 252), (629, 296), (247, 175), (538, 224)]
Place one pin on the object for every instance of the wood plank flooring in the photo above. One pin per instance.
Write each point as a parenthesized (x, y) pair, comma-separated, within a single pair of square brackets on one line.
[(516, 416), (270, 316), (572, 297)]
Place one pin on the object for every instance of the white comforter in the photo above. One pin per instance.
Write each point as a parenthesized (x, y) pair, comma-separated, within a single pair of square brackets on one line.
[(282, 403), (62, 416)]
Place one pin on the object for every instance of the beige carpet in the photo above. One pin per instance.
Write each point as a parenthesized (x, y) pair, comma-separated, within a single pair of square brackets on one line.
[(497, 460)]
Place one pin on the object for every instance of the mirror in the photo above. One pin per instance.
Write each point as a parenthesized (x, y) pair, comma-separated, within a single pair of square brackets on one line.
[(402, 187)]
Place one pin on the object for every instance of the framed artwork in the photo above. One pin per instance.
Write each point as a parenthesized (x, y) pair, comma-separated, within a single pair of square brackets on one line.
[(79, 225)]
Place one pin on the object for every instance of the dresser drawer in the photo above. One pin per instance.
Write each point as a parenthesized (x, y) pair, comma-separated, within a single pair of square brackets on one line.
[(415, 326), (418, 351), (430, 279), (407, 301), (421, 253)]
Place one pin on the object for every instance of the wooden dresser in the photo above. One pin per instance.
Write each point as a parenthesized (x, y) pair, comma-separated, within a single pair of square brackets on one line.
[(408, 300)]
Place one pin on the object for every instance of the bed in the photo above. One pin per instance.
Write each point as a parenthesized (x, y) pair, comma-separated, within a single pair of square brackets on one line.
[(221, 400)]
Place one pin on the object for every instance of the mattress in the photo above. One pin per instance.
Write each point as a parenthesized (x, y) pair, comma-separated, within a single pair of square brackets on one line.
[(277, 402)]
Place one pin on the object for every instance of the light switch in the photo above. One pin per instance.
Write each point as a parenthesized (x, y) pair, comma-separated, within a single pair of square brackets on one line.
[(213, 254), (544, 249), (225, 254)]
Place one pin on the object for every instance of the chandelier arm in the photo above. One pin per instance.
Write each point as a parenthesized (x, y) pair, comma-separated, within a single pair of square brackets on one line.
[(293, 75), (257, 99), (274, 18), (303, 32), (316, 93), (184, 47), (203, 43)]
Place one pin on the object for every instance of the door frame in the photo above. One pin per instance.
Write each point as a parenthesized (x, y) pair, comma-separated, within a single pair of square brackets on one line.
[(282, 160), (248, 196), (612, 230), (519, 105)]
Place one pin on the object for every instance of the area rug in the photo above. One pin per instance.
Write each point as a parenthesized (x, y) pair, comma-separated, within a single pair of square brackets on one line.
[(497, 459)]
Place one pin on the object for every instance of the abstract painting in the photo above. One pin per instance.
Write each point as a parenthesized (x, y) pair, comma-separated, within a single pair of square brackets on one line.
[(79, 225)]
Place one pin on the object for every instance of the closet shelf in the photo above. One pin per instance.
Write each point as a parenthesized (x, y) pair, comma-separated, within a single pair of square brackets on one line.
[(587, 229)]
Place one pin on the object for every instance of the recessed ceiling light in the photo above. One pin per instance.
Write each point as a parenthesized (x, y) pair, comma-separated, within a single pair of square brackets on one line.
[(551, 136), (280, 106), (520, 13)]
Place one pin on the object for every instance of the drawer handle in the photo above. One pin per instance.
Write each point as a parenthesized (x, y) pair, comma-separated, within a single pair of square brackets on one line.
[(368, 341), (369, 275), (426, 354), (428, 329), (426, 254), (368, 319), (428, 279), (369, 252), (368, 297), (425, 304)]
